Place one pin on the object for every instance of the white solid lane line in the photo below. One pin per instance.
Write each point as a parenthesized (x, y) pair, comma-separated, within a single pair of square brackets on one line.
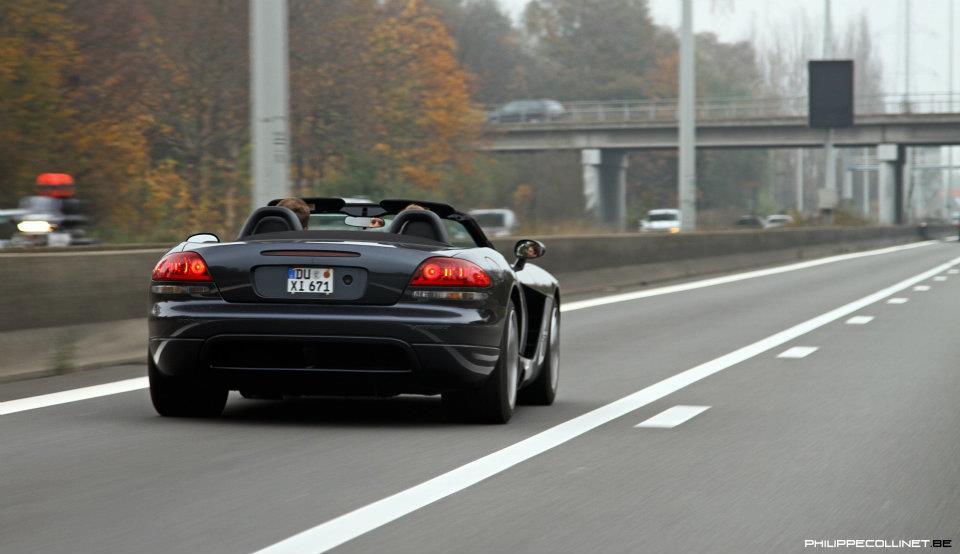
[(637, 295), (898, 301), (921, 288), (940, 278), (351, 525), (671, 417), (73, 395), (860, 320), (798, 352)]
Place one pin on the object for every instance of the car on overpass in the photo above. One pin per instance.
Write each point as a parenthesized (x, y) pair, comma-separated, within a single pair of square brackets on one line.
[(283, 311), (664, 220), (529, 110)]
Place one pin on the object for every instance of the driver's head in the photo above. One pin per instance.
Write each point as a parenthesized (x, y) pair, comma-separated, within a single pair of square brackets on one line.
[(298, 207)]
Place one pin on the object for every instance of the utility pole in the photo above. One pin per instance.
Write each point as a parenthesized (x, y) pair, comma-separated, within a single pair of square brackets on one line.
[(269, 101), (799, 167), (950, 52), (830, 159), (906, 54), (827, 31), (910, 203), (948, 180), (687, 174)]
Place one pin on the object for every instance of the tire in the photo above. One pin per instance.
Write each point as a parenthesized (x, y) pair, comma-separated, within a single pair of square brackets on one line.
[(184, 396), (495, 401), (543, 390)]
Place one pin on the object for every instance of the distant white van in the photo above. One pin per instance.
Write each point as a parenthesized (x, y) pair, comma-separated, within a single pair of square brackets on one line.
[(495, 222), (666, 220), (778, 220)]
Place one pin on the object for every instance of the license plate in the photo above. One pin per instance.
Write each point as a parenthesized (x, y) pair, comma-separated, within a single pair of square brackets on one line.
[(310, 280)]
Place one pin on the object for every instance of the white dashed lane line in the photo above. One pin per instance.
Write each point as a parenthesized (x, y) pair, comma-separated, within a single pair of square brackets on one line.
[(798, 352), (898, 300), (672, 417), (860, 320), (940, 278), (953, 271), (921, 288)]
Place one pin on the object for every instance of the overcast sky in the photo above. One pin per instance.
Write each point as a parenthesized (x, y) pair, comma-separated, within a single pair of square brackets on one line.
[(742, 19)]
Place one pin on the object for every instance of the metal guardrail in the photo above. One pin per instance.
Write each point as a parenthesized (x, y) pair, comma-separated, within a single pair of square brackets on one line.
[(719, 109)]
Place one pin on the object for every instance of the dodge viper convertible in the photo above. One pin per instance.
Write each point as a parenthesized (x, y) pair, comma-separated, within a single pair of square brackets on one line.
[(374, 299)]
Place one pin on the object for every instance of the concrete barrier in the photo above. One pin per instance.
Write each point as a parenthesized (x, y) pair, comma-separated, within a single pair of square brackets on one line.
[(61, 310), (601, 262), (42, 289)]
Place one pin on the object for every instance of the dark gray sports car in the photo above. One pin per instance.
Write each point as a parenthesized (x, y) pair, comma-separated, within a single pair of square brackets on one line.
[(375, 299)]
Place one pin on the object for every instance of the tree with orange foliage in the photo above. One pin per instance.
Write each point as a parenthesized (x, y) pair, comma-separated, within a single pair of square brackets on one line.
[(426, 125), (36, 117)]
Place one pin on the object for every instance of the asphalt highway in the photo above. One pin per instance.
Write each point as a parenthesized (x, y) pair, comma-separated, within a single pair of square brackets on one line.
[(738, 415)]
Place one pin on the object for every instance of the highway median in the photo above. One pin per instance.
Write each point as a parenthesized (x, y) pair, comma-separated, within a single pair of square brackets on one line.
[(71, 309)]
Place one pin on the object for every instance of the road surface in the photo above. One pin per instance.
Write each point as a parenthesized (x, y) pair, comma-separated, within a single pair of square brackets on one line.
[(773, 408)]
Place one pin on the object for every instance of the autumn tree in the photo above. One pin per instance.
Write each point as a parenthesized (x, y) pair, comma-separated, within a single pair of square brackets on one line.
[(426, 121), (489, 47), (37, 57), (332, 94), (380, 103), (594, 50)]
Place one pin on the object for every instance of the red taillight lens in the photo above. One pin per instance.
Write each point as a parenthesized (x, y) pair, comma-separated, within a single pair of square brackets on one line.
[(181, 266), (449, 272)]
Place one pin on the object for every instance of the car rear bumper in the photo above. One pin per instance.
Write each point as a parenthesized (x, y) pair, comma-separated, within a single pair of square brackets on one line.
[(369, 350)]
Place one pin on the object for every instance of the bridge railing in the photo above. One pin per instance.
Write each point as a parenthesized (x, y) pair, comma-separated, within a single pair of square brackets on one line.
[(715, 109)]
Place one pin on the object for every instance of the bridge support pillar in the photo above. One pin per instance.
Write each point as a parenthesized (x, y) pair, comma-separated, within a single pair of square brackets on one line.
[(605, 186), (890, 183)]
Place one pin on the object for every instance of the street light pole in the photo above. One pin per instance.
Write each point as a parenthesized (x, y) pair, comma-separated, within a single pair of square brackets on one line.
[(827, 30), (948, 180), (906, 53), (269, 101), (830, 159), (687, 174)]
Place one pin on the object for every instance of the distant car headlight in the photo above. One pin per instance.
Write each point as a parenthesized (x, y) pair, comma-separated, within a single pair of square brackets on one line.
[(674, 230), (34, 226)]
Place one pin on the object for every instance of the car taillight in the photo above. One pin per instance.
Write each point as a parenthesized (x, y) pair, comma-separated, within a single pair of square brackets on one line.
[(181, 266), (449, 272)]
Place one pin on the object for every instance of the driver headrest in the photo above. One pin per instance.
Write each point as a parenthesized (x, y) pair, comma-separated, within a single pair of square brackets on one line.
[(270, 219), (420, 223)]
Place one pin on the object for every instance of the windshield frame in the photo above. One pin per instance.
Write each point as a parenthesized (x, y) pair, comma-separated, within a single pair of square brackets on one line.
[(389, 207)]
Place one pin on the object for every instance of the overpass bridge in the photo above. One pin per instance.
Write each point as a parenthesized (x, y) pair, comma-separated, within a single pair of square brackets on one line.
[(605, 131)]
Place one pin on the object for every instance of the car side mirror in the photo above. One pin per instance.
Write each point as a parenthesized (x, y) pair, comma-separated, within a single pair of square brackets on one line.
[(527, 249), (203, 237)]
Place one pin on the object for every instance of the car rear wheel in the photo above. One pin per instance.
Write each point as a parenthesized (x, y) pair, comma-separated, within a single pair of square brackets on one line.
[(543, 390), (178, 396), (495, 400)]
